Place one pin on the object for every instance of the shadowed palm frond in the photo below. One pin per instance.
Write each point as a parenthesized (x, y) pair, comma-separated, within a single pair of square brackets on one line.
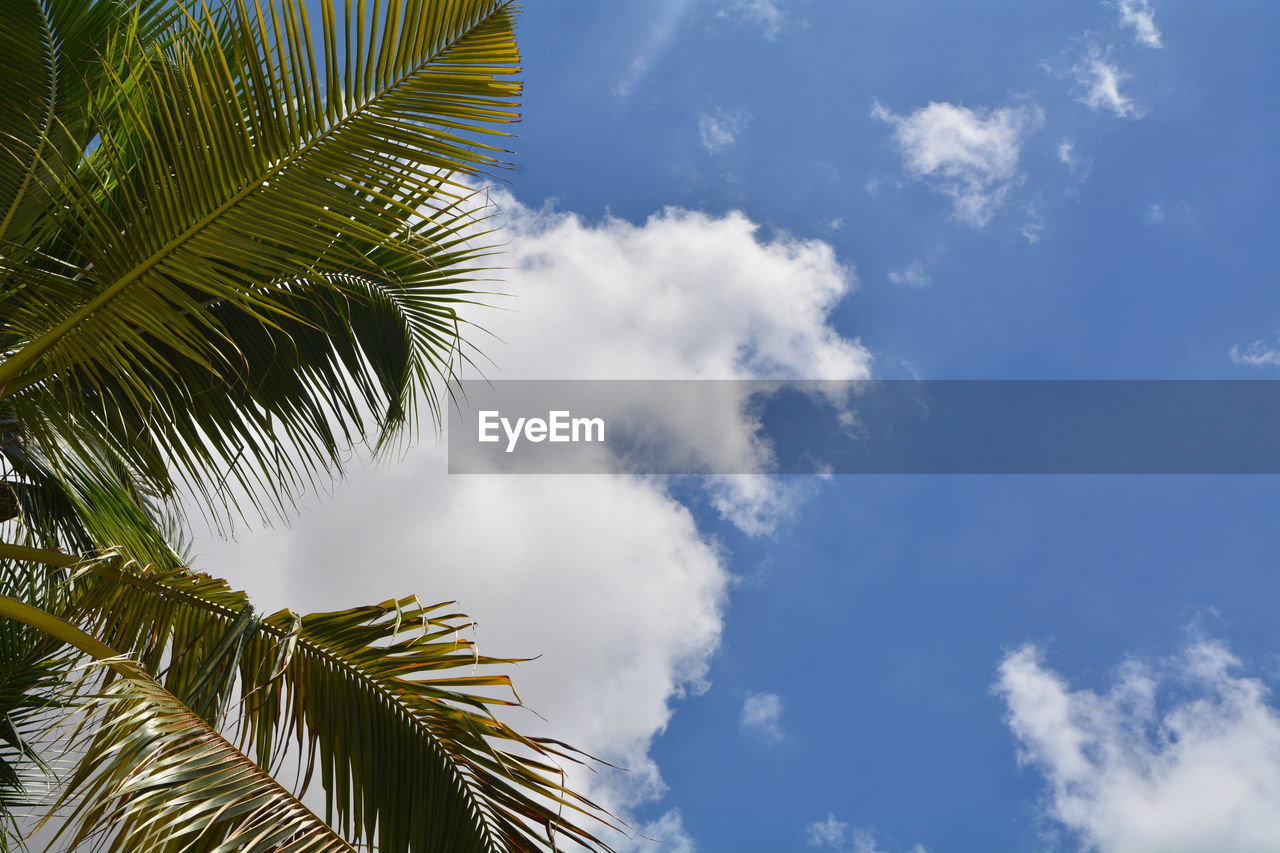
[(34, 670), (90, 502), (55, 57)]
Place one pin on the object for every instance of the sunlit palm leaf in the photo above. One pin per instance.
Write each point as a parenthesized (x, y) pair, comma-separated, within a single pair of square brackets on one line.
[(156, 777), (410, 756), (233, 174)]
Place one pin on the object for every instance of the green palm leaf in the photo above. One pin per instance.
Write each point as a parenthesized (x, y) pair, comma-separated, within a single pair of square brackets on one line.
[(234, 242), (409, 756), (155, 776), (52, 61), (205, 198)]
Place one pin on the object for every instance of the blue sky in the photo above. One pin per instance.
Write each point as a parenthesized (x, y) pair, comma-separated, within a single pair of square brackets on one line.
[(879, 613), (983, 190), (1103, 294)]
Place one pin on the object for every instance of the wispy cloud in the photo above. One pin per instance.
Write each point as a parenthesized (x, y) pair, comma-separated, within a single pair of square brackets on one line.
[(833, 834), (1256, 354), (668, 832), (762, 716), (1067, 154), (971, 156), (1138, 16), (1170, 214), (912, 275), (666, 24), (1033, 226), (765, 14), (1080, 166), (719, 129), (1098, 81)]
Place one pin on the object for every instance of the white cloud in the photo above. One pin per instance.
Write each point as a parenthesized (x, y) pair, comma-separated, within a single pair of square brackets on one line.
[(1080, 166), (718, 130), (1033, 227), (668, 833), (765, 14), (1178, 756), (1138, 15), (837, 835), (762, 716), (1098, 82), (1176, 214), (607, 578), (1071, 158), (971, 156), (827, 833), (1067, 154), (681, 296), (1256, 354), (912, 275)]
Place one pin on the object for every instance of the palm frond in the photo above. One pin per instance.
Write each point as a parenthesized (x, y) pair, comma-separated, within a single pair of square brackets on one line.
[(233, 174), (88, 502), (153, 775), (409, 755), (34, 667), (156, 776), (52, 55), (351, 353)]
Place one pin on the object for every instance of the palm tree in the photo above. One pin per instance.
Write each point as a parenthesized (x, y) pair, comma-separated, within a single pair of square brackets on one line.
[(233, 242)]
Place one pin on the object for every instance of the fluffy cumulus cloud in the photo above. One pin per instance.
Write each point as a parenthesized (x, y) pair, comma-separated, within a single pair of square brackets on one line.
[(719, 129), (969, 155), (1098, 81), (1178, 756), (1138, 16), (762, 716), (683, 295), (833, 834), (607, 578)]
